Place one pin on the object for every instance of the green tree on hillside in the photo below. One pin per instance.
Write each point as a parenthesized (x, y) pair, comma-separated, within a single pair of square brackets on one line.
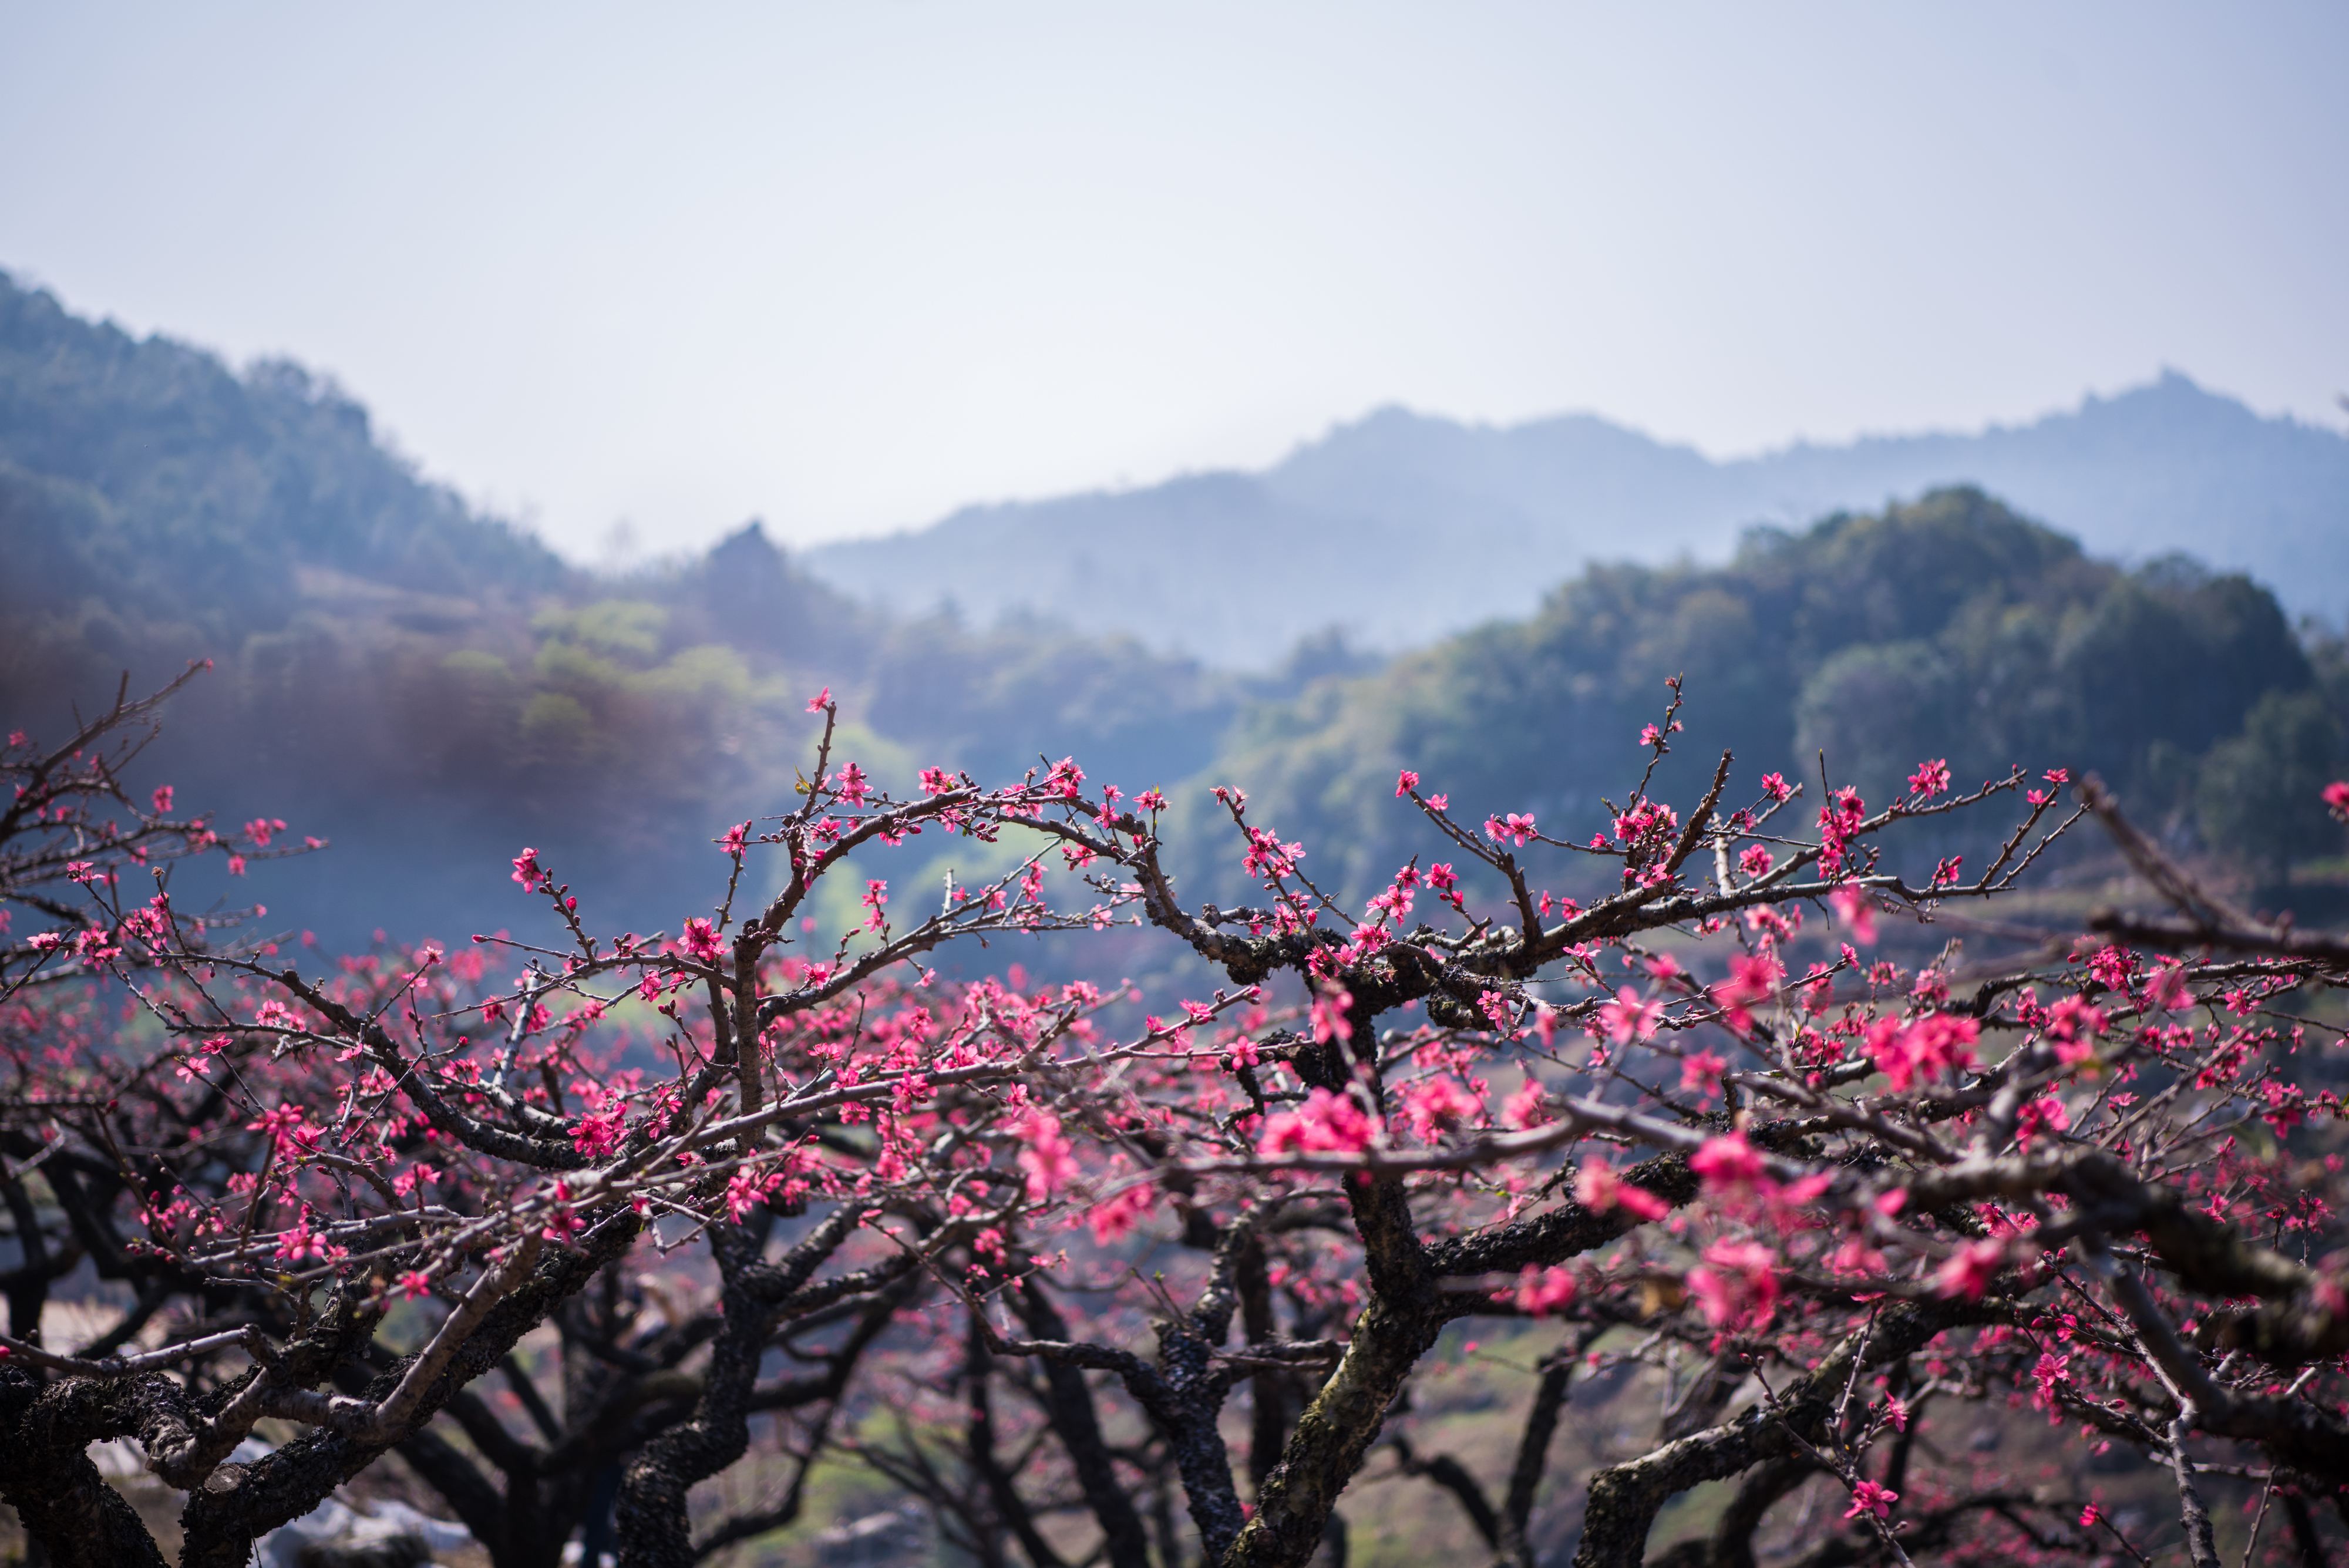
[(2259, 792)]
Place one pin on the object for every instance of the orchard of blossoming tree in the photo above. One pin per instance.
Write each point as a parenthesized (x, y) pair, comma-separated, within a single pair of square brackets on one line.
[(1882, 1207)]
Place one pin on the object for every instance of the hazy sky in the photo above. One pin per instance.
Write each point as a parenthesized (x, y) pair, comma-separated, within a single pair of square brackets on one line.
[(848, 266)]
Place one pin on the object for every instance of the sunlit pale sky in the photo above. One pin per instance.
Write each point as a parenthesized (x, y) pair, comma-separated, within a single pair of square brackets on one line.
[(848, 266)]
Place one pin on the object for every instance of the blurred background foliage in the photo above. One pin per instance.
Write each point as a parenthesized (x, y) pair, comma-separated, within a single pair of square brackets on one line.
[(432, 688)]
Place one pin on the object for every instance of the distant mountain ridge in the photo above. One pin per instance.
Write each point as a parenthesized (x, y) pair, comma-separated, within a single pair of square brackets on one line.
[(1401, 527)]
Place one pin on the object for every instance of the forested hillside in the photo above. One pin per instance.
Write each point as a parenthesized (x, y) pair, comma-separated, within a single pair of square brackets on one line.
[(144, 475), (1945, 627)]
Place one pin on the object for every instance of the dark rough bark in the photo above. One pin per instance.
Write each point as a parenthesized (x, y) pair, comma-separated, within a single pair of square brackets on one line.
[(533, 1522), (63, 1502), (655, 1530), (520, 1525), (1012, 1512), (1733, 1538), (1185, 1399), (478, 1505), (26, 1286), (1568, 1231), (1070, 1408), (1455, 1478), (251, 1500), (1700, 1404), (1276, 1394), (1408, 1309), (790, 1394), (524, 1499), (78, 1519), (1333, 1435), (1731, 1545), (1183, 1393), (1533, 1451), (1624, 1499)]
